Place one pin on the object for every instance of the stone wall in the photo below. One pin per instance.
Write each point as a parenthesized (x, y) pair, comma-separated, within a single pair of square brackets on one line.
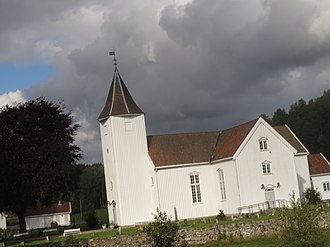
[(194, 236)]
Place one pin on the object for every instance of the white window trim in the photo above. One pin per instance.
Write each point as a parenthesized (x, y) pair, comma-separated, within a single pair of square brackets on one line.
[(266, 167), (222, 185), (326, 186), (263, 144), (195, 187)]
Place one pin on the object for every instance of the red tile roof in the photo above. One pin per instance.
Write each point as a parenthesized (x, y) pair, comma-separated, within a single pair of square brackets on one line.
[(231, 139), (286, 133), (182, 148), (197, 147), (52, 209), (119, 100), (318, 164)]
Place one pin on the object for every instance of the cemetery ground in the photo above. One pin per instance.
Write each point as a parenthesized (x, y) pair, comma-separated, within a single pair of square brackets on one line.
[(37, 238)]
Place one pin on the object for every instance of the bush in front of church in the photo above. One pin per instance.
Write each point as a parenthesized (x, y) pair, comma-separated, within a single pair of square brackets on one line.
[(162, 231), (300, 225)]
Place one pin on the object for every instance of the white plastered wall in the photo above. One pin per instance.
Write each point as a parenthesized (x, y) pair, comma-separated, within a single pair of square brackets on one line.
[(249, 166), (127, 169), (318, 181)]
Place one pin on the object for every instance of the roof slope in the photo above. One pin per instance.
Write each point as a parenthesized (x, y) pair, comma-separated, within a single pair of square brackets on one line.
[(119, 100), (286, 133), (231, 139), (52, 209), (318, 164), (187, 148), (184, 148)]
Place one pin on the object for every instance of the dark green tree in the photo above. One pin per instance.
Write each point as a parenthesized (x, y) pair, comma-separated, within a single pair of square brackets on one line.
[(280, 117), (37, 153), (312, 196), (310, 122), (92, 187)]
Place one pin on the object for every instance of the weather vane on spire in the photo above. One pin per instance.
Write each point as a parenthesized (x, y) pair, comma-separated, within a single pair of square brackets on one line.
[(113, 53)]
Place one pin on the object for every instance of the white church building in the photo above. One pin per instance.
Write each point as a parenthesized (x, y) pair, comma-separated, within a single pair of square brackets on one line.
[(247, 167)]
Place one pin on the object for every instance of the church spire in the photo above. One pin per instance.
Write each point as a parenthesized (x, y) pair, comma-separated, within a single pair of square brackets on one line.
[(119, 100)]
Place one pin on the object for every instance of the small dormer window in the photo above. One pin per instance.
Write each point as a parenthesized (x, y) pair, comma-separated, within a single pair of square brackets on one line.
[(263, 144)]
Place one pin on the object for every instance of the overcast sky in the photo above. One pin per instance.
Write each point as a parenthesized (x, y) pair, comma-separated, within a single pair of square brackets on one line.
[(190, 65)]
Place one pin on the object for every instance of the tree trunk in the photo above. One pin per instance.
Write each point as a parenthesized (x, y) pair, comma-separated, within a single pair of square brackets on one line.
[(21, 220)]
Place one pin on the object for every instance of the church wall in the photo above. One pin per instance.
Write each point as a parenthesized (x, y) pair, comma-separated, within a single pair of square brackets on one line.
[(283, 176), (231, 202), (133, 178), (174, 187), (318, 181), (109, 169), (303, 175)]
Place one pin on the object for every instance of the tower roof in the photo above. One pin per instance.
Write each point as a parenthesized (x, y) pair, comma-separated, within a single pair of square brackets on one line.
[(119, 100)]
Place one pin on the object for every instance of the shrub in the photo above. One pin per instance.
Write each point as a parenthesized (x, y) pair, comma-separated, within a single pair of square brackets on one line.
[(163, 232), (221, 215), (300, 226), (91, 220), (312, 196)]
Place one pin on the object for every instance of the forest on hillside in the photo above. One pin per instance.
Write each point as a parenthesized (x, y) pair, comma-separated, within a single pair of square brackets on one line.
[(310, 121)]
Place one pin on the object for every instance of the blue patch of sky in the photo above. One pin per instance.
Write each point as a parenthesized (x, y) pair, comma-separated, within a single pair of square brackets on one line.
[(14, 77)]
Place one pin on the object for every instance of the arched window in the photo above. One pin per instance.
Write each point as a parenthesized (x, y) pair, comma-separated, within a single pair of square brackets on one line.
[(222, 185), (195, 187), (266, 167), (263, 143)]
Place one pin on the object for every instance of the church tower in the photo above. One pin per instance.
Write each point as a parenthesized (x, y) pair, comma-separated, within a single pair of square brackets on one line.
[(125, 155)]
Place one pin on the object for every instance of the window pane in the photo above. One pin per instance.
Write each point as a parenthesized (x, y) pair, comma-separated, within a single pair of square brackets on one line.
[(222, 185), (260, 145), (197, 179), (192, 180), (265, 144), (198, 193)]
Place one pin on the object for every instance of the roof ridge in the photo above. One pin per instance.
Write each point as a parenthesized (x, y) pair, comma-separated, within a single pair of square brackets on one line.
[(239, 125)]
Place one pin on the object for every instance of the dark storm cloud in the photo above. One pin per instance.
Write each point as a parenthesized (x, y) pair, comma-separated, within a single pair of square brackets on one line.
[(205, 65)]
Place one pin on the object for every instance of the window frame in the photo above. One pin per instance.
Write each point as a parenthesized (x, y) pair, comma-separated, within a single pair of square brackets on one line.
[(195, 187), (263, 144), (266, 167), (222, 185), (326, 186)]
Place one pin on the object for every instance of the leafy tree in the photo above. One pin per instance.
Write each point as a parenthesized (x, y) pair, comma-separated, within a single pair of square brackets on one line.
[(162, 231), (92, 187), (312, 196), (310, 122), (37, 153), (280, 117), (301, 227)]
